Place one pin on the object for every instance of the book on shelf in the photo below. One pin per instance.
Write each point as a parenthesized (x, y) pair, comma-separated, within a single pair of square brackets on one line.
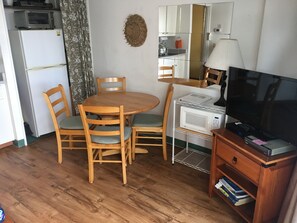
[(236, 201), (232, 186), (238, 193)]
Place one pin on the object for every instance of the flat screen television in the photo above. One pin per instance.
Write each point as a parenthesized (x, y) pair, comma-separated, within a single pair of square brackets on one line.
[(267, 103)]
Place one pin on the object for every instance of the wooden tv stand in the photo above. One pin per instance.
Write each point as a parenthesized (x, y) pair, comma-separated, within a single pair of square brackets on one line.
[(264, 178)]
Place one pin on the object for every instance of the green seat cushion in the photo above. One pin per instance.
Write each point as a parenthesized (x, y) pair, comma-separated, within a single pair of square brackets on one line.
[(147, 120), (110, 139), (74, 122)]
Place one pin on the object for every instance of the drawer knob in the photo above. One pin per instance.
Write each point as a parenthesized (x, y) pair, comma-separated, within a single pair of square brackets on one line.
[(234, 160)]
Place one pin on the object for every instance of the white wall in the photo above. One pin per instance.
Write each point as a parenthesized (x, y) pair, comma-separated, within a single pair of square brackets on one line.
[(246, 27), (113, 56), (278, 49)]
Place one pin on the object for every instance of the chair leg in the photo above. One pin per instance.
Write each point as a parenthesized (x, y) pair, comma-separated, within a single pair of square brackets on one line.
[(133, 142), (71, 141), (100, 155), (129, 152), (123, 156), (91, 165), (164, 146), (59, 144)]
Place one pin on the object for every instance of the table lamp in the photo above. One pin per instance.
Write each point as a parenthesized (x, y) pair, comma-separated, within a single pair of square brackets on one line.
[(225, 54)]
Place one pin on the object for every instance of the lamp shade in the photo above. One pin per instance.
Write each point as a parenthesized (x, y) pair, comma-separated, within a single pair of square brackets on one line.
[(226, 53)]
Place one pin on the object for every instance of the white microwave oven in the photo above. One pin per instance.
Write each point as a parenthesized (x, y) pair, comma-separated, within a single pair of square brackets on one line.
[(200, 120), (27, 19)]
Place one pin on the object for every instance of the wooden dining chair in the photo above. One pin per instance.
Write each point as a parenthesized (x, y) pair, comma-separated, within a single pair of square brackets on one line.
[(69, 129), (111, 84), (150, 129), (212, 76), (104, 137), (166, 72)]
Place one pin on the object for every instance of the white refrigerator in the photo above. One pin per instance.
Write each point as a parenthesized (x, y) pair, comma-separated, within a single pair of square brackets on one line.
[(40, 64)]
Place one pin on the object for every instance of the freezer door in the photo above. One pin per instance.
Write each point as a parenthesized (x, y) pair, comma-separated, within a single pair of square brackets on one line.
[(43, 48), (41, 81)]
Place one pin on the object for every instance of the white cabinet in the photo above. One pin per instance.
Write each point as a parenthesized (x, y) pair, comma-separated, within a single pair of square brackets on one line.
[(167, 19), (175, 19), (180, 66), (166, 61), (171, 19), (6, 127), (184, 21), (179, 62), (162, 19)]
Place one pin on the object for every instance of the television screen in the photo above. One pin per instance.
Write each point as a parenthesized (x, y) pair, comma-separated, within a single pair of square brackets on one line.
[(266, 102)]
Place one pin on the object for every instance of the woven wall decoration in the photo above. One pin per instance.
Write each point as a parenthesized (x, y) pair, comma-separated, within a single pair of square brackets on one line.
[(135, 30)]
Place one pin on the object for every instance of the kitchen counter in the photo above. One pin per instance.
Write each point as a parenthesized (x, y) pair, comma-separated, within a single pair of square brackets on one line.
[(173, 52)]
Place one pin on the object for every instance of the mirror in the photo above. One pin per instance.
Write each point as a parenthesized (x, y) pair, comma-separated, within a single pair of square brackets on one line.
[(187, 35)]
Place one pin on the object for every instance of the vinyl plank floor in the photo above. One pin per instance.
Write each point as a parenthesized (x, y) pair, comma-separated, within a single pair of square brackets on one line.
[(35, 188)]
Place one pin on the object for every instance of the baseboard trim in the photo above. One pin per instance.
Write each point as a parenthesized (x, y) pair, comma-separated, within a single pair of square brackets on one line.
[(5, 145), (19, 143), (182, 144)]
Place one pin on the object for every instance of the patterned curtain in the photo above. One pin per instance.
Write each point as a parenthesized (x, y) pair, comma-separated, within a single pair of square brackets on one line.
[(78, 50)]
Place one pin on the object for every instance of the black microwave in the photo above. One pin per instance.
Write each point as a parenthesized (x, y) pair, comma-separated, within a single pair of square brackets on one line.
[(27, 19)]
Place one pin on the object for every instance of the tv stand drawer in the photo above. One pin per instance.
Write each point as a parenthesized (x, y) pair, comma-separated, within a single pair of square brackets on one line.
[(238, 161)]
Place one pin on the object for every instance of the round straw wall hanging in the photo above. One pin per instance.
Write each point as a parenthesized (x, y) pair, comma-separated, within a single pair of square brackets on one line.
[(135, 30)]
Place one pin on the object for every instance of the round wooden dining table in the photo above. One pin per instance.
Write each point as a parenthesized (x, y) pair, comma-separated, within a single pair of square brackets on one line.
[(133, 102)]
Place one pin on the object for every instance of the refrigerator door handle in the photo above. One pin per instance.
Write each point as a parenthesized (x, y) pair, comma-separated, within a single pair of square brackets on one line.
[(46, 67)]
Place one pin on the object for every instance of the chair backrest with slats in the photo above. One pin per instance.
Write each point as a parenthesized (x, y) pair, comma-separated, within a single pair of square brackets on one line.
[(57, 103), (166, 72), (111, 84), (213, 76), (167, 106), (100, 127)]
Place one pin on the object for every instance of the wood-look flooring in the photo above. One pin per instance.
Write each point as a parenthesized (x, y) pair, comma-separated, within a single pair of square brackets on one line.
[(35, 188)]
